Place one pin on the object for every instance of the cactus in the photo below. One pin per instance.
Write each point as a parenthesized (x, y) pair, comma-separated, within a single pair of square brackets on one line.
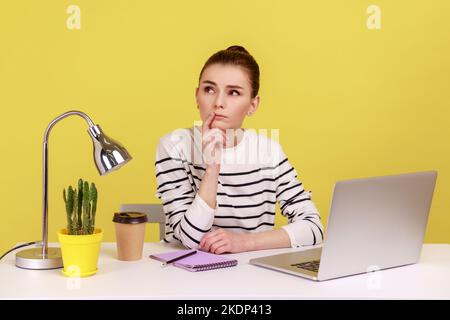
[(94, 205), (81, 208), (74, 226), (85, 207), (68, 210), (79, 204)]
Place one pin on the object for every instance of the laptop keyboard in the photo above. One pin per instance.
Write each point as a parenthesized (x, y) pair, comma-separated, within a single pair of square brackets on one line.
[(309, 265)]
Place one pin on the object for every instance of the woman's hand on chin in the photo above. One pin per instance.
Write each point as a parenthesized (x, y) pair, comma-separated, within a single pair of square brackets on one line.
[(213, 141)]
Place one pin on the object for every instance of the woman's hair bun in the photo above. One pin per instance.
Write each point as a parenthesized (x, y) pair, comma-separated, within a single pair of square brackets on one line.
[(238, 48), (237, 56)]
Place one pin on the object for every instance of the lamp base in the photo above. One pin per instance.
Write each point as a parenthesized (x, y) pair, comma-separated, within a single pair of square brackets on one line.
[(34, 260)]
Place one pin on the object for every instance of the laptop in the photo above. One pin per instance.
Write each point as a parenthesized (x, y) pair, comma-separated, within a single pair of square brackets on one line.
[(374, 224)]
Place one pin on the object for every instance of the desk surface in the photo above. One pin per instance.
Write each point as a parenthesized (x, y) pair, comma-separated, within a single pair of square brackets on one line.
[(146, 279)]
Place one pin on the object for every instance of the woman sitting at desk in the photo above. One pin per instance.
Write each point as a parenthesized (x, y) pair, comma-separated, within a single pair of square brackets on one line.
[(219, 182)]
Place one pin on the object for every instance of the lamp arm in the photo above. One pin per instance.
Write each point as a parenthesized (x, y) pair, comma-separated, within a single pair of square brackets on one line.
[(45, 174)]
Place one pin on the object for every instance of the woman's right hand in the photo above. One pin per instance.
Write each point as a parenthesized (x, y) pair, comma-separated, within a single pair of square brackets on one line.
[(213, 141)]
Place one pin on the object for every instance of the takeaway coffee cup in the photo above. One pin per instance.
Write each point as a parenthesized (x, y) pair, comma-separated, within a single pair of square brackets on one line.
[(130, 234)]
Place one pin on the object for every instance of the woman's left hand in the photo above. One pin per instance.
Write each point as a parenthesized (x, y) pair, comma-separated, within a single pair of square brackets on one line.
[(221, 241)]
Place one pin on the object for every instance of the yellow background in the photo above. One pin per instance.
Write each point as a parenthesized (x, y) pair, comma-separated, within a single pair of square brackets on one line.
[(349, 102)]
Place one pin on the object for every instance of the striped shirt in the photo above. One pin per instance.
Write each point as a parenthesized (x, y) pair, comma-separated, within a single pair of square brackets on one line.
[(254, 175)]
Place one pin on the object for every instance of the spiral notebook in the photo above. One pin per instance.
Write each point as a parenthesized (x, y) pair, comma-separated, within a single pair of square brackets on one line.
[(200, 261)]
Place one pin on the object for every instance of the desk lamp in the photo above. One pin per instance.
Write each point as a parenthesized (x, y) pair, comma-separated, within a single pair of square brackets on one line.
[(109, 155)]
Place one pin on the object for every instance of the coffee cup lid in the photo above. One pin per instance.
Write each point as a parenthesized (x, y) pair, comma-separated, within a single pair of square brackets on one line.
[(130, 217)]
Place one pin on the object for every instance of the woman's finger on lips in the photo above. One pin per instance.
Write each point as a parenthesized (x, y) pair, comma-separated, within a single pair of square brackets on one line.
[(207, 124)]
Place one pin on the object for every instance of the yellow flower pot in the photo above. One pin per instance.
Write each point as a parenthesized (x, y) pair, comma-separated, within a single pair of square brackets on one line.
[(80, 253)]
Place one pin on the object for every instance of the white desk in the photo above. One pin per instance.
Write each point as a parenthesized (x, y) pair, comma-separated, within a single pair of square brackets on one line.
[(146, 279)]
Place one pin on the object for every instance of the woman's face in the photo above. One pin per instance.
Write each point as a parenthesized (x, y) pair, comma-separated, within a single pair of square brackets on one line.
[(225, 90)]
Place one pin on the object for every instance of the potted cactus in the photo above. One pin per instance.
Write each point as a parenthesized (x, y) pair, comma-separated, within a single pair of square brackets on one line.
[(80, 240)]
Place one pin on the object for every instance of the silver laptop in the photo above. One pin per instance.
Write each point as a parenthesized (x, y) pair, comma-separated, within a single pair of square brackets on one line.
[(374, 224)]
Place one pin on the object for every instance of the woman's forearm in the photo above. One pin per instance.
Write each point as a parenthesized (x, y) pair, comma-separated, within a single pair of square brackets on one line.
[(208, 187), (268, 240)]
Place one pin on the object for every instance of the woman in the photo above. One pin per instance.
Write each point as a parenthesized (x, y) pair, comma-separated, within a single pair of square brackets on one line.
[(214, 197)]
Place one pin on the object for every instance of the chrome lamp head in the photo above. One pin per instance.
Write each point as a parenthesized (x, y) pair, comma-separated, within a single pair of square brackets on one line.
[(109, 154)]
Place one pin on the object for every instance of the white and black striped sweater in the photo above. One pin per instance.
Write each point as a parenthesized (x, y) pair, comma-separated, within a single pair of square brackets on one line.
[(254, 175)]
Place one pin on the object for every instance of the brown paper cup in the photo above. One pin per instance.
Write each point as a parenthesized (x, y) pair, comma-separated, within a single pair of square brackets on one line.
[(130, 235)]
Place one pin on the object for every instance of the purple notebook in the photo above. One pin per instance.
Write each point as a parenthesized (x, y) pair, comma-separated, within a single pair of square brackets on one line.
[(197, 262)]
